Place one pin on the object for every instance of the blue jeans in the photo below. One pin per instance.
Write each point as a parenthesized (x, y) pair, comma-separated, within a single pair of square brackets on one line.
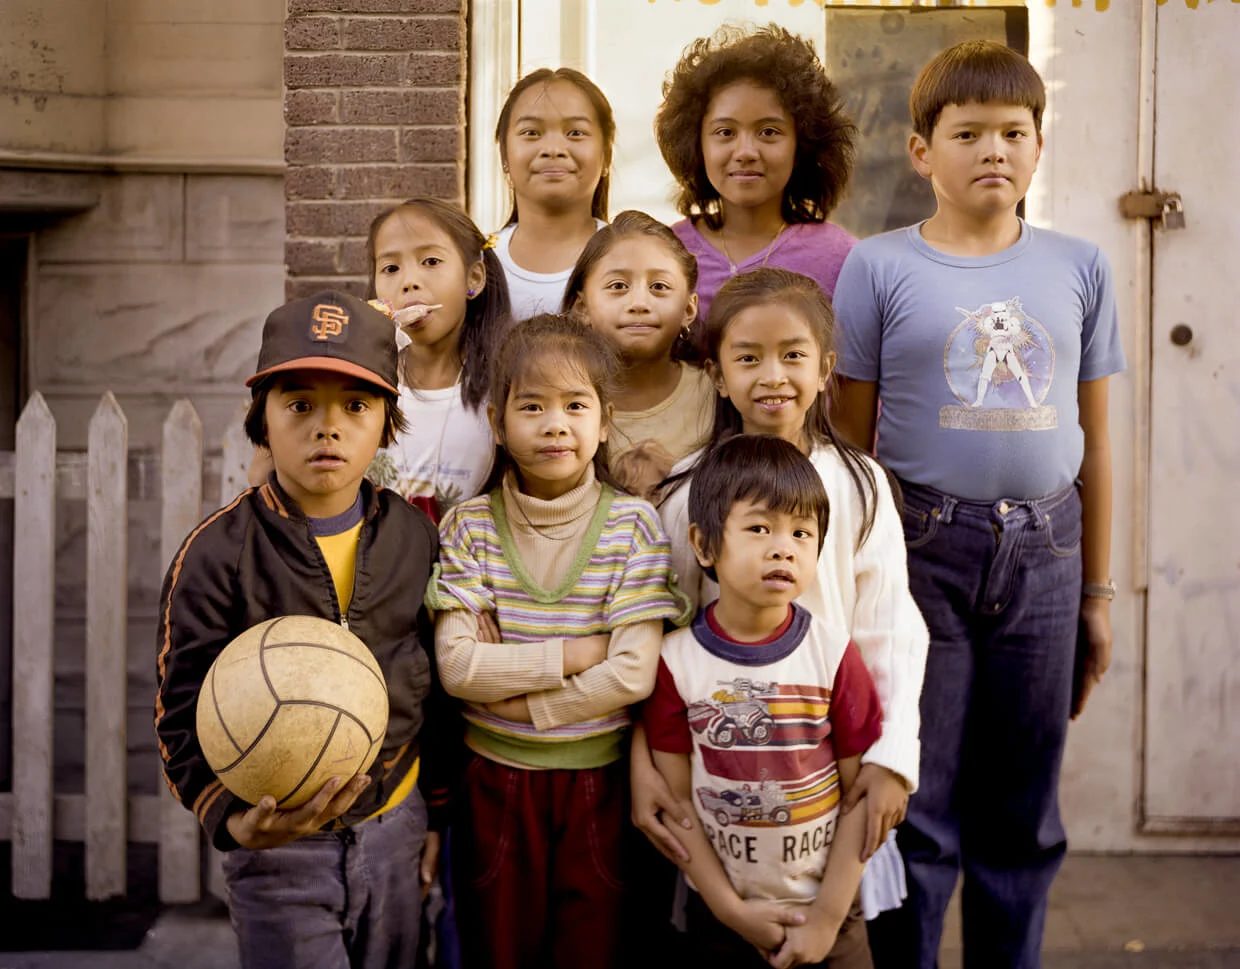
[(999, 585), (350, 899)]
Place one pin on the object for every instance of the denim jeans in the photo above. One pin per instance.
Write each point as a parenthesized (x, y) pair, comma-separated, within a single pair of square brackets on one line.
[(350, 899), (999, 585)]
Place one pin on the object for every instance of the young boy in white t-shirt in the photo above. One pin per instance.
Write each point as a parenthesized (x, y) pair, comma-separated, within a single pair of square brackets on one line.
[(759, 716)]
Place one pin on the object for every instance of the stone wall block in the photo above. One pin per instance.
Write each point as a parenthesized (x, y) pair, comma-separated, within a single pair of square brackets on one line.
[(352, 259), (310, 182), (425, 69), (34, 191), (401, 106), (296, 7), (344, 70), (432, 145), (180, 58), (340, 145), (205, 128), (401, 33), (326, 220), (311, 257), (138, 218), (234, 218), (398, 181), (312, 33), (163, 328), (311, 107)]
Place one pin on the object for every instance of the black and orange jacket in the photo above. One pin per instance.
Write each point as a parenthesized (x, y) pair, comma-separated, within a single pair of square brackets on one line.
[(256, 559)]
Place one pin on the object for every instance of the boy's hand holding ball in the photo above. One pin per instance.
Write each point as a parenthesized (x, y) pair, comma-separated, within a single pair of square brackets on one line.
[(266, 826)]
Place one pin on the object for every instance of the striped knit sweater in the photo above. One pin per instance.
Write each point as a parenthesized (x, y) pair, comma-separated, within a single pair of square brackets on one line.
[(590, 562)]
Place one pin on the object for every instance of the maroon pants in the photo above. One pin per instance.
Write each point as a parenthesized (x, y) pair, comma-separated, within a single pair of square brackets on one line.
[(538, 864)]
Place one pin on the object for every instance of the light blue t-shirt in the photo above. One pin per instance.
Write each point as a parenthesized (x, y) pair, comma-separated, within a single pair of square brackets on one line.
[(977, 359)]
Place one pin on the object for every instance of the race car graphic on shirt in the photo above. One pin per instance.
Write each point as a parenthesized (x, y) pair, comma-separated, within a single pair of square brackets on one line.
[(771, 743), (770, 803), (735, 714)]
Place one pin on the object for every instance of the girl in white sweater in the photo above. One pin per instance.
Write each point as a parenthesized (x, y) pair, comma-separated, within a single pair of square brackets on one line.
[(768, 347)]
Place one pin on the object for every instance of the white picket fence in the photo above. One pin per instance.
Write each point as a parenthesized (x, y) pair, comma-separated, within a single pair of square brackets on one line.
[(105, 817)]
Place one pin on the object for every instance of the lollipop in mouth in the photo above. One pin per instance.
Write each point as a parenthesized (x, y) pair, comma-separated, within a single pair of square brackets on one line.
[(404, 317)]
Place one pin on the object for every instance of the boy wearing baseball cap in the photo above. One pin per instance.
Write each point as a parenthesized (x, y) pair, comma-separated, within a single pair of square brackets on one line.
[(340, 880)]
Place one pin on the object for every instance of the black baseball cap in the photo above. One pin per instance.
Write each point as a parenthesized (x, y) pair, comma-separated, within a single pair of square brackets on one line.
[(329, 331)]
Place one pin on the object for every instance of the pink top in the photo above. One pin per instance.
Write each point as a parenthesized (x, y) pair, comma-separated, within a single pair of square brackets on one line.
[(815, 249)]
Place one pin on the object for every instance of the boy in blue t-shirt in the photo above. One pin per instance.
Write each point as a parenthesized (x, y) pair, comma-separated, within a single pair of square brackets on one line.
[(989, 343)]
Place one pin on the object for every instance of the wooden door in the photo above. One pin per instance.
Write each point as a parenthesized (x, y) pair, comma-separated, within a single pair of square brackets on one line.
[(1192, 742)]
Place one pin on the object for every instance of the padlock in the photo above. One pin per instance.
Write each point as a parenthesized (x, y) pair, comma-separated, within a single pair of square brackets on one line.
[(1173, 212)]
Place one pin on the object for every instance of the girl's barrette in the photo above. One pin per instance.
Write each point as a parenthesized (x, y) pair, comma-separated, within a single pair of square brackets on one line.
[(492, 241)]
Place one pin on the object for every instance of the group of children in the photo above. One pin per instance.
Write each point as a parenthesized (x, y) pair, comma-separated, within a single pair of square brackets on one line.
[(665, 593)]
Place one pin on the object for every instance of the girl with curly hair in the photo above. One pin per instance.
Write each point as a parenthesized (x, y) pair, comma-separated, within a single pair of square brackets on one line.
[(761, 149), (555, 134)]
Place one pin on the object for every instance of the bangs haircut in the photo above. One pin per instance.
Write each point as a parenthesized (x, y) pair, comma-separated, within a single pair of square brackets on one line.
[(631, 224), (975, 71), (255, 422), (602, 111), (759, 468), (773, 58), (550, 347), (770, 287), (486, 315)]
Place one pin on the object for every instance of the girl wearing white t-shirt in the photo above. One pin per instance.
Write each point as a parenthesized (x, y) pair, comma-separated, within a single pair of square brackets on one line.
[(555, 134), (438, 277)]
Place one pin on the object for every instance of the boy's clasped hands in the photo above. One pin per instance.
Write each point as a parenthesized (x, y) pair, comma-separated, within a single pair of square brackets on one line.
[(781, 932)]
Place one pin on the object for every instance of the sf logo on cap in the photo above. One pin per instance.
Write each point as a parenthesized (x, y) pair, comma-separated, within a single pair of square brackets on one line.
[(329, 322)]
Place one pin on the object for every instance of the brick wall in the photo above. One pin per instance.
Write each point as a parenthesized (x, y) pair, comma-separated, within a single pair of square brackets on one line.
[(374, 107)]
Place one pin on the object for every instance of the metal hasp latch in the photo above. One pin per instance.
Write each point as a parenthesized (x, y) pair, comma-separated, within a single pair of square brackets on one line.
[(1167, 207)]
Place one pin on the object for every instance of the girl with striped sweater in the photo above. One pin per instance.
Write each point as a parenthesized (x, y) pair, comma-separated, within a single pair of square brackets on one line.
[(551, 593)]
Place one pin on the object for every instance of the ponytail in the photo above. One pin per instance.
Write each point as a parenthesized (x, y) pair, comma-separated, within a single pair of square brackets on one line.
[(487, 316)]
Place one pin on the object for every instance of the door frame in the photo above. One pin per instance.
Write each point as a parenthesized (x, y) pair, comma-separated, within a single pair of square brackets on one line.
[(494, 40), (1143, 372)]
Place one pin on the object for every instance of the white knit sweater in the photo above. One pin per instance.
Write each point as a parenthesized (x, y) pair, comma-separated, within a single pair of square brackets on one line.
[(861, 587)]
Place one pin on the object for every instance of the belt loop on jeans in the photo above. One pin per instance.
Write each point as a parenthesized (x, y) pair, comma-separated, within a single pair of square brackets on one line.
[(946, 510)]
